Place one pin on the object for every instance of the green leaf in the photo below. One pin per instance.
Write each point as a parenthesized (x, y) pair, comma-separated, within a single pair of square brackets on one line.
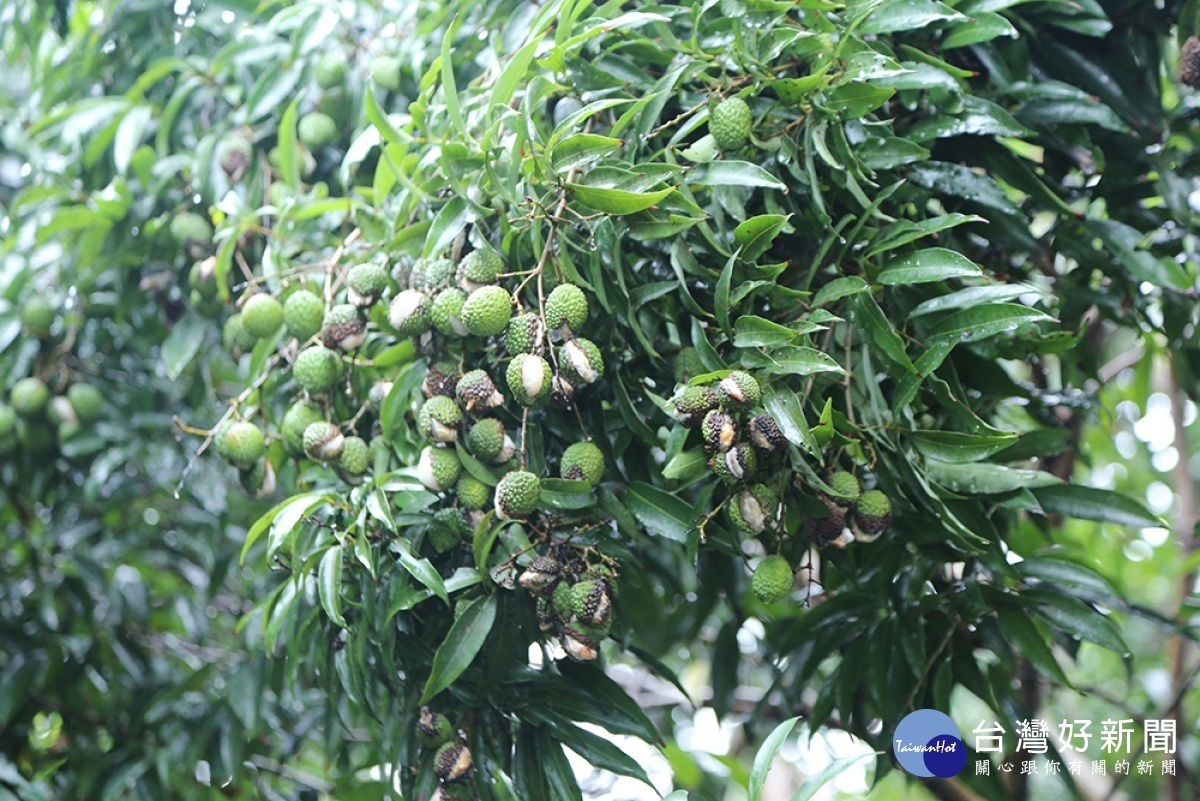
[(925, 266), (902, 232), (986, 479), (1074, 618), (792, 360), (784, 407), (1032, 643), (870, 319), (263, 523), (329, 584), (840, 288), (957, 447), (183, 344), (721, 296), (766, 756), (1061, 573), (660, 512), (819, 780), (984, 27), (751, 331), (733, 173), (420, 568), (451, 219), (289, 517), (974, 324), (580, 149), (559, 493), (598, 751), (756, 234), (617, 201), (972, 296), (462, 644), (907, 15), (686, 464), (1092, 503), (854, 99)]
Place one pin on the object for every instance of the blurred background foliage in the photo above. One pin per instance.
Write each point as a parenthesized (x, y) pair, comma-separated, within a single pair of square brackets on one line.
[(134, 658)]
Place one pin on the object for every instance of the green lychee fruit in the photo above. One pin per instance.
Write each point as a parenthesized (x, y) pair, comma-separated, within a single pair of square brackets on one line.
[(86, 400), (218, 438), (337, 104), (688, 365), (316, 129), (580, 359), (754, 509), (446, 312), (232, 332), (693, 403), (258, 480), (433, 730), (582, 461), (487, 311), (304, 314), (741, 389), (566, 307), (872, 516), (772, 579), (203, 278), (8, 421), (736, 464), (385, 72), (38, 315), (344, 329), (477, 393), (317, 369), (190, 229), (439, 419), (529, 379), (299, 416), (472, 493), (485, 439), (562, 600), (323, 441), (366, 283), (447, 529), (729, 123), (846, 488), (517, 494), (262, 315), (525, 333), (478, 268), (378, 394), (409, 313), (29, 397), (438, 468), (719, 431), (764, 434), (356, 456), (245, 444), (436, 274), (234, 155), (330, 70)]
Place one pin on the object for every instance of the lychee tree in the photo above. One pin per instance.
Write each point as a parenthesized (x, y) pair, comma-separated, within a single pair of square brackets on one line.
[(572, 334)]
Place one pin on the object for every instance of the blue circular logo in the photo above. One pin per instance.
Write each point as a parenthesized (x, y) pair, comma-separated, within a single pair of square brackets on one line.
[(927, 744)]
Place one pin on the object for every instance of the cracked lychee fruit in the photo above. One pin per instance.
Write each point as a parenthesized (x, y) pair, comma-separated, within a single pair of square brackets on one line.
[(439, 419), (365, 283), (529, 379), (719, 431), (299, 416), (524, 333), (323, 441), (741, 388), (828, 529), (872, 516), (446, 312), (1189, 62), (409, 313), (517, 494), (693, 403), (344, 328), (734, 465), (582, 461), (477, 393), (581, 360), (438, 468), (764, 434), (541, 574), (479, 268), (452, 762), (433, 730), (754, 509)]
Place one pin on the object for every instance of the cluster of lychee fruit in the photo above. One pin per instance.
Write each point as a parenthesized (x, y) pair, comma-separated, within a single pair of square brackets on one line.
[(451, 759), (574, 600), (35, 419)]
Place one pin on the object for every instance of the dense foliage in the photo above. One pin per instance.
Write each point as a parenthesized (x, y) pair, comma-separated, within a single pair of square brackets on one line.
[(799, 314)]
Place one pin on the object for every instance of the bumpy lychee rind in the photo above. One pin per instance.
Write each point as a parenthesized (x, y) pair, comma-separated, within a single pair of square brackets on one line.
[(772, 579), (487, 311), (86, 400), (582, 461), (754, 509), (485, 438), (719, 431), (741, 389), (764, 434), (438, 468), (433, 730), (478, 268), (323, 441), (366, 283), (580, 359), (316, 129), (436, 274), (409, 313), (736, 464), (529, 379), (262, 315), (846, 487), (872, 516), (730, 122), (303, 314), (244, 444), (298, 417), (525, 333), (517, 494), (693, 403), (472, 493), (439, 419), (566, 307), (446, 312), (317, 369), (477, 393), (356, 456), (29, 396)]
